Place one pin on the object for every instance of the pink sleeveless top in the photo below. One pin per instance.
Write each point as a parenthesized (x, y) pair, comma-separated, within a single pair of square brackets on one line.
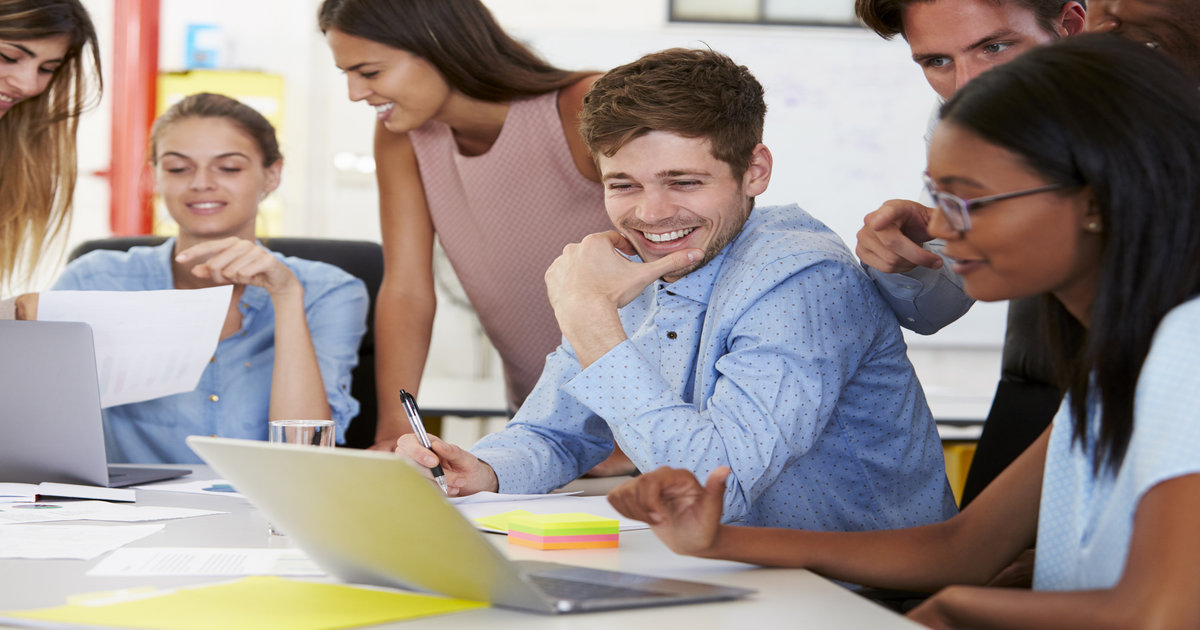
[(502, 218)]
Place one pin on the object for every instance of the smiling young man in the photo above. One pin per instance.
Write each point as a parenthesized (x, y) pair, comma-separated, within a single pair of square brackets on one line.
[(705, 332)]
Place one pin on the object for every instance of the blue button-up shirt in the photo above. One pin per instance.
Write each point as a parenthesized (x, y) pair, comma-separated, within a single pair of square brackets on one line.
[(234, 395), (779, 359)]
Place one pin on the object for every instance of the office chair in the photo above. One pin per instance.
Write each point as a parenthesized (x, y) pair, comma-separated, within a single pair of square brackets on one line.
[(362, 259)]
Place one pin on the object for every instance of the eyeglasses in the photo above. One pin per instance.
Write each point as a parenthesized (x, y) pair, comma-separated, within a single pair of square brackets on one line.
[(957, 210)]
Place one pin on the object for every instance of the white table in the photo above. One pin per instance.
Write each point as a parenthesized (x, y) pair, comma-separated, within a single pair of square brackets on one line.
[(791, 598)]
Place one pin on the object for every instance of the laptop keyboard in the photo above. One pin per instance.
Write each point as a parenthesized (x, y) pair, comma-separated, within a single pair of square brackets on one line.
[(560, 588)]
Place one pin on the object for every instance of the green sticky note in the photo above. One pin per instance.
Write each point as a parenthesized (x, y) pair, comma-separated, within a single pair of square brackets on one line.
[(261, 603), (499, 522), (563, 524)]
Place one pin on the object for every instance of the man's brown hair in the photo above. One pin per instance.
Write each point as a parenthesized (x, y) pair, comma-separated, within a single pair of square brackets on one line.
[(886, 17), (692, 93)]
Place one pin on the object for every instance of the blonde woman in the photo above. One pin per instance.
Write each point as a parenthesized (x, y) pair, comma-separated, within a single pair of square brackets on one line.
[(49, 74)]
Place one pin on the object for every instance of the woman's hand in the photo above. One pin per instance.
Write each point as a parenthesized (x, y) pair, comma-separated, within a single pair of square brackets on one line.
[(26, 306), (686, 516), (236, 260)]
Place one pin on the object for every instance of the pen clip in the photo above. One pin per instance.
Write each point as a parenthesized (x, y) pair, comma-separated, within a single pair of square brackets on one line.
[(414, 418)]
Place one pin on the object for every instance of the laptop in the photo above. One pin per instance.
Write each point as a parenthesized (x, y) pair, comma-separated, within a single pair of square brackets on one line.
[(370, 518), (50, 424)]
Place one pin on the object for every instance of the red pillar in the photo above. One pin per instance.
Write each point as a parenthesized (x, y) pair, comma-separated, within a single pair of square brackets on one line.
[(134, 92)]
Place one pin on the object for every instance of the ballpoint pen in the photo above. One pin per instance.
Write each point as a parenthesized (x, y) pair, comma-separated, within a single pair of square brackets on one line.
[(418, 427)]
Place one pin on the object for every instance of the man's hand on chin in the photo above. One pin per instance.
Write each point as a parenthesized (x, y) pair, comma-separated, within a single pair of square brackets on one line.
[(591, 280)]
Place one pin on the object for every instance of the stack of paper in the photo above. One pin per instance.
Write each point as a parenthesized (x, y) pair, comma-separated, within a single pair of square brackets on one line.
[(573, 530)]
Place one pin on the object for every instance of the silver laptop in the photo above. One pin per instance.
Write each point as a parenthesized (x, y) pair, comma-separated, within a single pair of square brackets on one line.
[(50, 424), (370, 518)]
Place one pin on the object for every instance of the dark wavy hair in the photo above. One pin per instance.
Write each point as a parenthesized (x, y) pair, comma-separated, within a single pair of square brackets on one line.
[(459, 37), (696, 93), (1122, 120), (886, 17)]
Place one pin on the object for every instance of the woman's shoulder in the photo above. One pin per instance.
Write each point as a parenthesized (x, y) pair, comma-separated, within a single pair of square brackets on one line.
[(139, 267), (570, 104), (1181, 324)]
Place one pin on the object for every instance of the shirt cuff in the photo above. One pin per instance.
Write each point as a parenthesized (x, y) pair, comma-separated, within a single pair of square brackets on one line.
[(8, 308), (924, 300)]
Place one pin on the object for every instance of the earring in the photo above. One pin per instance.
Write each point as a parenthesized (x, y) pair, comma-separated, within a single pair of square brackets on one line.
[(1093, 225)]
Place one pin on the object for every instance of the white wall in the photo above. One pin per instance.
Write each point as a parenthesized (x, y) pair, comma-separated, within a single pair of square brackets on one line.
[(845, 119)]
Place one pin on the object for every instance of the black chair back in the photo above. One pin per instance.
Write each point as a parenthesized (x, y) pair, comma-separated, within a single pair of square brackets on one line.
[(362, 259)]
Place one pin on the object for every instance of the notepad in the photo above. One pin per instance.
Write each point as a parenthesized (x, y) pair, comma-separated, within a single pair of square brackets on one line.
[(253, 603), (572, 530)]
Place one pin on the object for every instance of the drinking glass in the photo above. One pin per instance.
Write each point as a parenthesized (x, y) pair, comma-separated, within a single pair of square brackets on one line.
[(305, 432)]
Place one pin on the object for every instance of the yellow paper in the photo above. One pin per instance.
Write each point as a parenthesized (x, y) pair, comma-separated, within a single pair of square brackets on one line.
[(260, 603), (499, 522)]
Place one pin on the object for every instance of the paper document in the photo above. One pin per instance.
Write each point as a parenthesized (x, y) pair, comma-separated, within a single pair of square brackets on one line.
[(45, 511), (49, 490), (191, 561), (72, 542), (545, 504), (17, 492), (149, 344), (495, 497), (209, 486), (253, 603)]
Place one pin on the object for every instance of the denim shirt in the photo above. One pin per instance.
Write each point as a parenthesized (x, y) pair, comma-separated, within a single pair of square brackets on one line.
[(779, 359), (234, 393)]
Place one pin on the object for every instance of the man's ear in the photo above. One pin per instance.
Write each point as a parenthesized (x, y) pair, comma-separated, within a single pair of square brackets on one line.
[(758, 173), (1070, 20)]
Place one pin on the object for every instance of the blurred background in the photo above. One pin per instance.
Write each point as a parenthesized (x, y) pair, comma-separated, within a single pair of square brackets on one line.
[(846, 116)]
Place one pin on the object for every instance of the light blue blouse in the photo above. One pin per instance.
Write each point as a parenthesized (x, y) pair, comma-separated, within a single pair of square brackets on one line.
[(1086, 521), (233, 397)]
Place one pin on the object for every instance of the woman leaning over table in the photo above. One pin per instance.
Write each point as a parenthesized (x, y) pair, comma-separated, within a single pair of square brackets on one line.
[(291, 334), (1074, 172), (504, 180), (49, 74)]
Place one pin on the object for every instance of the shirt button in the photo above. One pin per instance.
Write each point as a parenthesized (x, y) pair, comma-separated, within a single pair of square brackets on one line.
[(247, 364), (212, 360), (671, 334), (214, 398)]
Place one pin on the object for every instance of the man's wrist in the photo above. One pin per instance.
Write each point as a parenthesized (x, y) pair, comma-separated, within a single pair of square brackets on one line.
[(493, 485), (592, 330)]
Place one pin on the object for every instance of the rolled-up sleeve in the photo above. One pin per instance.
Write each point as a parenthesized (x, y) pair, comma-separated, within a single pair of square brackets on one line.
[(337, 314)]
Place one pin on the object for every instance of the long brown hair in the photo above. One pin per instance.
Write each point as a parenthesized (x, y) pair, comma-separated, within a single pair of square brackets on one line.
[(37, 136), (459, 37)]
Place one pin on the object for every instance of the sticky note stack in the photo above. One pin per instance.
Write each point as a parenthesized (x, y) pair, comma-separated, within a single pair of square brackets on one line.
[(574, 530)]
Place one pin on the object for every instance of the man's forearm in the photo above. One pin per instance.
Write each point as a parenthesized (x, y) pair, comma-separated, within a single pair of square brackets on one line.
[(591, 330)]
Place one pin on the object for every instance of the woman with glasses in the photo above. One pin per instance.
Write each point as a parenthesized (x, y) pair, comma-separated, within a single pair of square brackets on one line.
[(1072, 172), (49, 74)]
